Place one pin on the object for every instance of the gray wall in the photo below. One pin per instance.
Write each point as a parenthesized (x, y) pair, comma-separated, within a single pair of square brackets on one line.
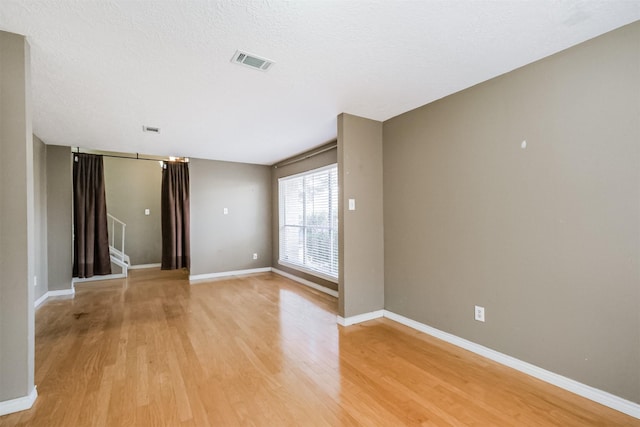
[(361, 230), (40, 214), (324, 159), (16, 220), (221, 243), (131, 187), (546, 238), (59, 172)]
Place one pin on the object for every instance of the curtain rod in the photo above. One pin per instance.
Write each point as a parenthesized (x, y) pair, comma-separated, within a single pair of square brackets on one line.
[(137, 157), (305, 156)]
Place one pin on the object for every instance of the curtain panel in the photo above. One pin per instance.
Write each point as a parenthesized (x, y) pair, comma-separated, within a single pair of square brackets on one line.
[(90, 233), (175, 216)]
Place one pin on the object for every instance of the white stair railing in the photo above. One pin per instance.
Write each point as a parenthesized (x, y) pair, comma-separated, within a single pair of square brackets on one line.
[(117, 253)]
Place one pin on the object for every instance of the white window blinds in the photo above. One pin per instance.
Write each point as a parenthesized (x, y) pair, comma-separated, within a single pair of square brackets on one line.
[(309, 221)]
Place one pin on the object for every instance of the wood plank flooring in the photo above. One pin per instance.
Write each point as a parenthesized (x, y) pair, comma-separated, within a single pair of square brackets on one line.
[(261, 350)]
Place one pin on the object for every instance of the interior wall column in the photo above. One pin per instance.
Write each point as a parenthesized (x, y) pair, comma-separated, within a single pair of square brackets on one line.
[(361, 232), (17, 252)]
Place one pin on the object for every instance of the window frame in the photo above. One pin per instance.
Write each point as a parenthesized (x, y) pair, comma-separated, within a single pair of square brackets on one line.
[(281, 224)]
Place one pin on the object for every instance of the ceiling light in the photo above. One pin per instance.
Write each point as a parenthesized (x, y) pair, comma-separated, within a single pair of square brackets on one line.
[(252, 61)]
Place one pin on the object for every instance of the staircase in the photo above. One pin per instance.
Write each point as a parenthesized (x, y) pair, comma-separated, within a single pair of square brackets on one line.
[(116, 251)]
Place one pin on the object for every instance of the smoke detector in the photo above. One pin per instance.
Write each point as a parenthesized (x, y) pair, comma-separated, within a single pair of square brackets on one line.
[(252, 61)]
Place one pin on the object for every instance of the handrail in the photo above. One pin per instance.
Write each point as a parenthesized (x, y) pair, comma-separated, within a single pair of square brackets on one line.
[(115, 220)]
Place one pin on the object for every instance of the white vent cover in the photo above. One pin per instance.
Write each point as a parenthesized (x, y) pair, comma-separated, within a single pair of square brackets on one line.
[(252, 61)]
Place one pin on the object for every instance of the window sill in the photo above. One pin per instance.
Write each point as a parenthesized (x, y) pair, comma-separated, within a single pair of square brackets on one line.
[(309, 272)]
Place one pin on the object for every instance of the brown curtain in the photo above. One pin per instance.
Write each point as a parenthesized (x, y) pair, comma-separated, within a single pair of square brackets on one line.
[(175, 216), (90, 235)]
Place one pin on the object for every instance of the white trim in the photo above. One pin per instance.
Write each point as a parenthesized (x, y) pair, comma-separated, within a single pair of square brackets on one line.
[(600, 396), (98, 278), (40, 300), (359, 318), (308, 271), (143, 266), (55, 293), (61, 292), (229, 273), (306, 282), (18, 404)]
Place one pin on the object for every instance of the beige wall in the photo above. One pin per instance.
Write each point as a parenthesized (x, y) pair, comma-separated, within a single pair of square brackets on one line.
[(59, 217), (361, 235), (323, 159), (546, 238), (131, 187), (40, 214), (221, 243), (16, 220)]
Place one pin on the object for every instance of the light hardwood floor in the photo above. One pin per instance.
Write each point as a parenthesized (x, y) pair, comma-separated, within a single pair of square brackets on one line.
[(262, 350)]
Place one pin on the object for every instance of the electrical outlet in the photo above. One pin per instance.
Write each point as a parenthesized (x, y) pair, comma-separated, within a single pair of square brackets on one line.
[(479, 312), (255, 256)]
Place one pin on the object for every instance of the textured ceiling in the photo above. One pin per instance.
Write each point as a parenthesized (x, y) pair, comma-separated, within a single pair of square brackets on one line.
[(103, 69)]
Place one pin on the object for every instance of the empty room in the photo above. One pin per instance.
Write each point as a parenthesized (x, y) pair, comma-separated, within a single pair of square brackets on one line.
[(320, 213)]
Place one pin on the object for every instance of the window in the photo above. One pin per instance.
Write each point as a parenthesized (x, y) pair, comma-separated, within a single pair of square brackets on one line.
[(309, 221)]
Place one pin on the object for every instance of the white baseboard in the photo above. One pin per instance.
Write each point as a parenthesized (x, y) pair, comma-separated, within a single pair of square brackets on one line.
[(40, 300), (61, 292), (199, 277), (18, 404), (142, 266), (228, 273), (306, 282), (98, 278), (591, 393), (56, 293), (352, 320)]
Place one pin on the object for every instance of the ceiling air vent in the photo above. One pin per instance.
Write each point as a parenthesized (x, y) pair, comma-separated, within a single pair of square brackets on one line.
[(252, 61), (150, 129)]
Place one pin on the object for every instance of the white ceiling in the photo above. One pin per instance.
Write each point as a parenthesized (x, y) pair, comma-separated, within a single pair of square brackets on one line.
[(103, 69)]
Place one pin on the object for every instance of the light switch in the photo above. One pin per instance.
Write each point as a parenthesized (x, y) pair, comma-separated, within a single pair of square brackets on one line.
[(352, 204), (147, 212)]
